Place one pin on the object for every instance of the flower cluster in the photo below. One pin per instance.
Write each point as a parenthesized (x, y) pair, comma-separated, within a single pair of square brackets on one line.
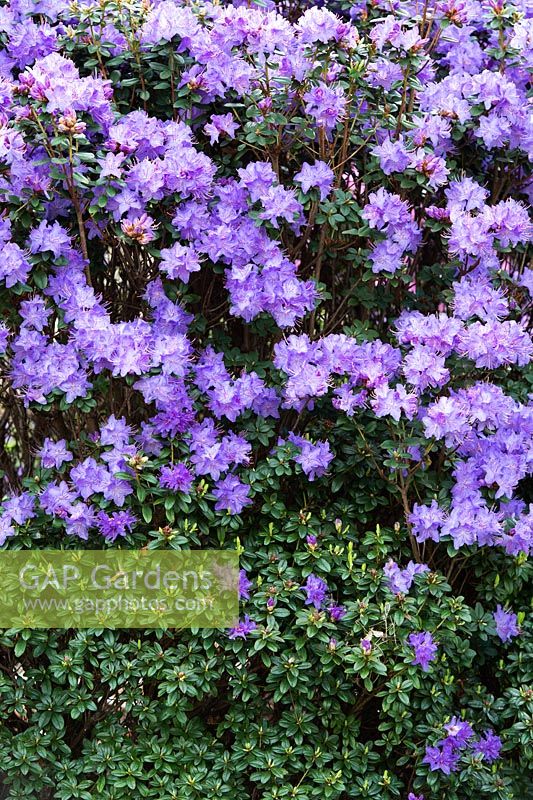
[(460, 742)]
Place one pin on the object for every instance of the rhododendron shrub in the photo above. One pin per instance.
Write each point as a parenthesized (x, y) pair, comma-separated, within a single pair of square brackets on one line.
[(265, 285)]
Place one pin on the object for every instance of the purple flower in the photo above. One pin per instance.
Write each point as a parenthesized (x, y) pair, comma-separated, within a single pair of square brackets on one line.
[(459, 732), (465, 195), (221, 124), (14, 266), (244, 585), (54, 454), (446, 419), (80, 519), (179, 261), (35, 313), (231, 495), (140, 229), (318, 175), (506, 624), (57, 499), (49, 237), (115, 432), (442, 758), (176, 477), (440, 214), (280, 203), (477, 298), (6, 529), (4, 338), (492, 344), (19, 508), (392, 155), (509, 221), (391, 402), (316, 590), (520, 538), (399, 581), (336, 613), (384, 209), (433, 167), (111, 165), (314, 459), (257, 177), (427, 521), (166, 22), (424, 647), (424, 368), (385, 73), (320, 25), (119, 523), (325, 104), (242, 629), (488, 747), (389, 213), (90, 478), (470, 235)]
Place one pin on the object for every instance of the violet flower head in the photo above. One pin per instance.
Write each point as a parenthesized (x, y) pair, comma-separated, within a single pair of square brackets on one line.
[(427, 521), (6, 529), (179, 261), (14, 267), (314, 459), (80, 519), (399, 581), (4, 337), (242, 629), (140, 229), (442, 758), (115, 525), (280, 204), (244, 585), (320, 25), (176, 477), (49, 237), (316, 590), (54, 454), (392, 155), (336, 613), (318, 175), (221, 125), (325, 104), (488, 746), (231, 495), (424, 647), (432, 167), (19, 508), (506, 624), (366, 646), (459, 732)]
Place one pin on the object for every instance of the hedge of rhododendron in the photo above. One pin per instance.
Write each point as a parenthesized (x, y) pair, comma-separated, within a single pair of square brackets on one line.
[(265, 285)]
